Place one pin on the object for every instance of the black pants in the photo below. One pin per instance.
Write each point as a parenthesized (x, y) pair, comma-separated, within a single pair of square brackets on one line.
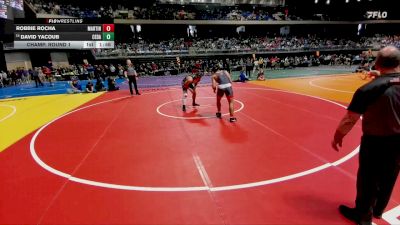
[(37, 81), (379, 161), (132, 79), (249, 69)]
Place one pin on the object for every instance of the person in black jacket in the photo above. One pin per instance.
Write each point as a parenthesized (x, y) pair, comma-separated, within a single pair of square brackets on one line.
[(379, 159), (35, 76), (112, 86)]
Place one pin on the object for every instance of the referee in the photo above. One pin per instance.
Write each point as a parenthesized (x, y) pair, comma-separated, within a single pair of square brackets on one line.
[(131, 74), (379, 159)]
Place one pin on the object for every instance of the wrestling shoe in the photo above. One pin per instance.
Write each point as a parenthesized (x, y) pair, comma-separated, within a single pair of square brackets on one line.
[(218, 114), (377, 215), (353, 215), (232, 119)]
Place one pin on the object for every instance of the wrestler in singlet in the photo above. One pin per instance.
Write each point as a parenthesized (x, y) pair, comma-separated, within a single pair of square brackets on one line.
[(224, 84), (189, 83)]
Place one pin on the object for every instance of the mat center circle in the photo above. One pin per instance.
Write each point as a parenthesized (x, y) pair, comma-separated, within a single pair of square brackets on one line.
[(204, 111)]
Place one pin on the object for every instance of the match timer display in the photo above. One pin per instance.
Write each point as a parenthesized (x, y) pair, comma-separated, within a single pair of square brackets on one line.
[(63, 34)]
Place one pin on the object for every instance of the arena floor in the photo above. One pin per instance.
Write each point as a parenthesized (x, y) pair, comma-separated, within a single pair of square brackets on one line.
[(109, 158)]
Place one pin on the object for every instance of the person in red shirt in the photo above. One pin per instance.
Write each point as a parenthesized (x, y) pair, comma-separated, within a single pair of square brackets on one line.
[(49, 76)]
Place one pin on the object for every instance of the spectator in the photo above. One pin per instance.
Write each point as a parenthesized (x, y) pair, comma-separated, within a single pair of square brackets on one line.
[(1, 79), (35, 76), (242, 76), (112, 86), (260, 75), (89, 87), (14, 78), (112, 70), (99, 85), (49, 76), (75, 87)]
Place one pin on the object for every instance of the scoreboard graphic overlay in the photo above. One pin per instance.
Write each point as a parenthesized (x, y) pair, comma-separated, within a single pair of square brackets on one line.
[(68, 33)]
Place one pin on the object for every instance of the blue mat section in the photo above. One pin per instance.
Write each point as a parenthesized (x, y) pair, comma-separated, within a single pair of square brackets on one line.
[(25, 90), (58, 87), (61, 87)]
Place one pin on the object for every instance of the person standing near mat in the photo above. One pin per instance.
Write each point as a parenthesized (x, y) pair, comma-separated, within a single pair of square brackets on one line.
[(222, 81), (131, 75), (36, 78), (190, 83), (379, 159)]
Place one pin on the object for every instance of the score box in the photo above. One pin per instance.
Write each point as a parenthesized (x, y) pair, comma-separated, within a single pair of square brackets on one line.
[(108, 36), (108, 27)]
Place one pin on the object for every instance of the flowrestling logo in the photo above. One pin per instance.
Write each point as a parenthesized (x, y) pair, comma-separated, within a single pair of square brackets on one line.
[(376, 15)]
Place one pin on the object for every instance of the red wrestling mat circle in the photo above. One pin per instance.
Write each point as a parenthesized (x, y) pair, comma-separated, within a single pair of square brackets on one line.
[(133, 144), (205, 111)]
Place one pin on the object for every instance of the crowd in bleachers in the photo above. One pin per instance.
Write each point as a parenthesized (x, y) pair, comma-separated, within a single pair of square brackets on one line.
[(148, 10), (108, 72), (390, 40), (237, 45), (55, 8), (160, 12), (22, 75)]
